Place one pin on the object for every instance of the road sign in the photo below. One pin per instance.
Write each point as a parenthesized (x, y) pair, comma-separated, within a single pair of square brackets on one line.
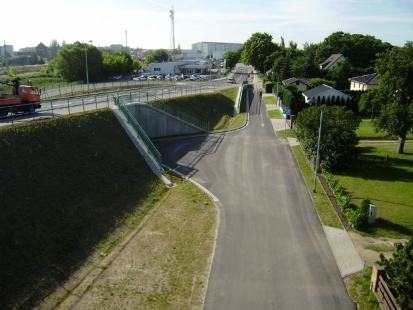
[(287, 111)]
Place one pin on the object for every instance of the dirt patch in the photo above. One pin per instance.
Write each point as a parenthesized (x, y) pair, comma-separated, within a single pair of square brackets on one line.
[(370, 248)]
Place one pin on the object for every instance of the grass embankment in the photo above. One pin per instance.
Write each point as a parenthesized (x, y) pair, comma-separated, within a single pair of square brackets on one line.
[(217, 108), (73, 187)]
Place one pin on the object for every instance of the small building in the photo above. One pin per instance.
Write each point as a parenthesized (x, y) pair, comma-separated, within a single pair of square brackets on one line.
[(217, 49), (41, 50), (324, 91), (180, 67), (300, 83), (332, 61), (364, 82)]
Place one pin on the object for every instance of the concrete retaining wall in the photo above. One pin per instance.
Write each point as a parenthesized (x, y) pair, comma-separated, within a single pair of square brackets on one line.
[(157, 123)]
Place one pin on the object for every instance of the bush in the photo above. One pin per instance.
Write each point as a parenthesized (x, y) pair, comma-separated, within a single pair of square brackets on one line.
[(357, 217), (268, 87)]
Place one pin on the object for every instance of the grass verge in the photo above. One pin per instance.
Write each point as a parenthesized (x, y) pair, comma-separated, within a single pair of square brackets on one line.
[(275, 114), (359, 290), (325, 210), (166, 265)]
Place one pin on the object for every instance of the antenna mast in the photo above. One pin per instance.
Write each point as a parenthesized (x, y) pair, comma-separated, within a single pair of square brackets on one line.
[(172, 30)]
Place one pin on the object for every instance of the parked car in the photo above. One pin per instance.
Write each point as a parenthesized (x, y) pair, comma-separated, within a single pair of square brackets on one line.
[(115, 77), (140, 78), (231, 81)]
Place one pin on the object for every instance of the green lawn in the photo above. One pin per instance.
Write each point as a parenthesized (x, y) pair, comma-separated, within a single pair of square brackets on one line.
[(269, 100), (325, 210), (388, 184), (275, 114), (366, 131)]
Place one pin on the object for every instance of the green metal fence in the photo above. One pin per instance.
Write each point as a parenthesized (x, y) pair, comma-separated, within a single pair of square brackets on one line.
[(153, 151)]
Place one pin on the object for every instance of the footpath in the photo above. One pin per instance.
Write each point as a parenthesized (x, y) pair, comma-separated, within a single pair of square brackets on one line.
[(345, 253)]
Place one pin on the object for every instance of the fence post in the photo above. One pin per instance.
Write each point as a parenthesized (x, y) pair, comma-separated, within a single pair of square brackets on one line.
[(376, 273)]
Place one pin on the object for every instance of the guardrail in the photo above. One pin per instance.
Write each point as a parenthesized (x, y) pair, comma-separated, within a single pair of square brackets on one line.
[(142, 136)]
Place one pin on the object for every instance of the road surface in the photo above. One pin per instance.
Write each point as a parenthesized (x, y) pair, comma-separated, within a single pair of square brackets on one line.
[(271, 251)]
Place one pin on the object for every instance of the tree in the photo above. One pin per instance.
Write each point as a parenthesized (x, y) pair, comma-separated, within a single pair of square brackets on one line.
[(340, 75), (338, 144), (395, 93), (256, 50), (318, 81), (70, 62), (232, 58), (399, 273), (370, 103), (159, 55), (53, 48), (117, 63)]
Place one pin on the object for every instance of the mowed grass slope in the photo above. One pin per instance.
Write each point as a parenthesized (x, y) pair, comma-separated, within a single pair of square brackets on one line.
[(217, 108), (66, 185)]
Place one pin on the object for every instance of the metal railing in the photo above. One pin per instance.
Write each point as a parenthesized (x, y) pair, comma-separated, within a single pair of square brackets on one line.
[(142, 136)]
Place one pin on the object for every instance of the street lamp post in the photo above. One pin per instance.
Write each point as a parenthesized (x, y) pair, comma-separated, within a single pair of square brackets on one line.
[(87, 70), (317, 161)]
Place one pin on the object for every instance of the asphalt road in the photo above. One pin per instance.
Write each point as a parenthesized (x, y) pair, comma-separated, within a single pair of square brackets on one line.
[(271, 251)]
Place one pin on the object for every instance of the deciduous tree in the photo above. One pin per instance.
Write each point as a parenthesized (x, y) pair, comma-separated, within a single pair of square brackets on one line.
[(395, 93), (339, 140)]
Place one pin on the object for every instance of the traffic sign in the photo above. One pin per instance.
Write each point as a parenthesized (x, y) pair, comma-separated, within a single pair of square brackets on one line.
[(287, 111)]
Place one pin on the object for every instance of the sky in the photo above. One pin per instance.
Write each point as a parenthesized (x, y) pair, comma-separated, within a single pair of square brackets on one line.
[(147, 23)]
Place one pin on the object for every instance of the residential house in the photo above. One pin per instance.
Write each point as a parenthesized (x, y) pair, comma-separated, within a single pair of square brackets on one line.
[(325, 91), (364, 82), (332, 61), (41, 50), (300, 83)]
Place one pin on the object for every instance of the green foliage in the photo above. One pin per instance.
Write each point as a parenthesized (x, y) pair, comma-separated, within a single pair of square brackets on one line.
[(338, 143), (394, 94), (399, 273), (357, 217), (340, 75), (256, 50), (158, 55), (70, 63), (117, 63), (269, 87), (320, 81), (232, 58)]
